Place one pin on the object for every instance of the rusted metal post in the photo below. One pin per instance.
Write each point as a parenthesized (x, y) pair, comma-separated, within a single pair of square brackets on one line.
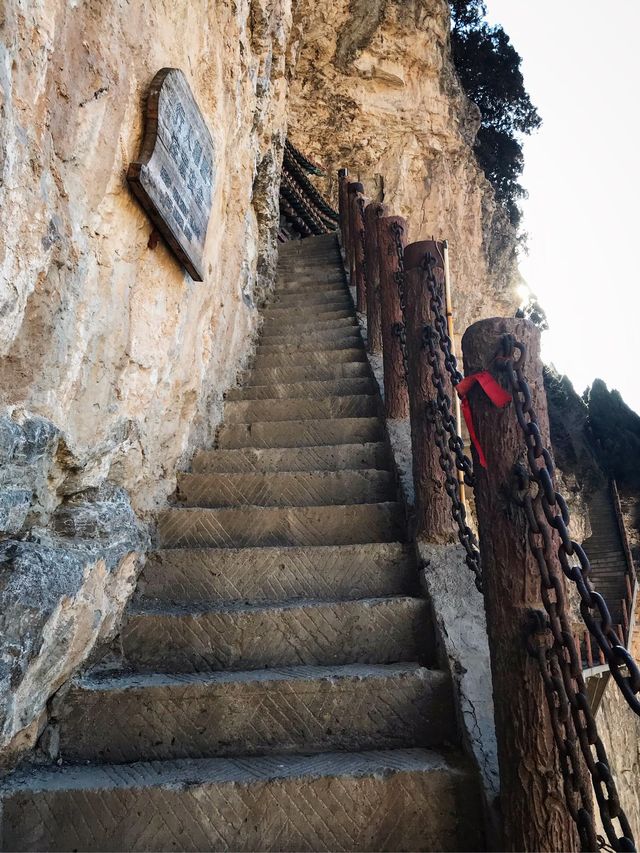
[(533, 806), (357, 220), (390, 243), (432, 504), (353, 187), (372, 213), (342, 205)]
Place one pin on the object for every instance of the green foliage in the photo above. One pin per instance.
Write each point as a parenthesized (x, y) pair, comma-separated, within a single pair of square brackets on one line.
[(615, 429), (489, 69)]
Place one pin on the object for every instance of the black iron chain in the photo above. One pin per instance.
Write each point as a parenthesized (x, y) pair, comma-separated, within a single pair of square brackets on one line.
[(439, 413), (463, 462), (360, 202), (560, 665), (399, 329)]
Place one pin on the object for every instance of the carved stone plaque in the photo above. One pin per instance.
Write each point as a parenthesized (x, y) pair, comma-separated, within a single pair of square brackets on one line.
[(174, 173)]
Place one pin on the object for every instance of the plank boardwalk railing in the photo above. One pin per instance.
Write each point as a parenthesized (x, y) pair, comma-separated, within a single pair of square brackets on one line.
[(304, 212), (551, 758)]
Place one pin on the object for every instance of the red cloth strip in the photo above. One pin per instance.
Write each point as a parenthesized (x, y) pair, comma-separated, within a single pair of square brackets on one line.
[(495, 392)]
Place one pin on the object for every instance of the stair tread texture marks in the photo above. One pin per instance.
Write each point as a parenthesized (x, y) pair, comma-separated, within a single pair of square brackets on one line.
[(292, 488), (409, 799), (299, 348), (343, 325), (310, 709), (306, 372), (187, 575), (321, 357), (306, 390), (304, 433), (240, 527), (328, 457), (322, 408), (275, 634)]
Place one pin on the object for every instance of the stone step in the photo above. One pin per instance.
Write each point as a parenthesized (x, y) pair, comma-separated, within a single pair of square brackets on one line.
[(305, 433), (304, 390), (599, 558), (292, 299), (345, 324), (339, 457), (604, 560), (245, 527), (300, 409), (188, 575), (300, 288), (404, 799), (286, 488), (309, 359), (298, 346), (306, 373), (158, 638), (320, 337), (330, 311), (605, 550), (133, 717)]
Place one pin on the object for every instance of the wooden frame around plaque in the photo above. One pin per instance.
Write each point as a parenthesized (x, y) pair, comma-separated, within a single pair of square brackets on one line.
[(174, 174)]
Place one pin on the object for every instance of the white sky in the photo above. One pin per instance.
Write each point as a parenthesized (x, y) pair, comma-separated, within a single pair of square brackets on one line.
[(581, 66)]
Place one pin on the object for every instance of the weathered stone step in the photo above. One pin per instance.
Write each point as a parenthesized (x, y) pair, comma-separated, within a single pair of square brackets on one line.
[(310, 359), (604, 545), (320, 337), (330, 311), (286, 488), (405, 799), (344, 324), (608, 562), (305, 373), (293, 299), (192, 638), (296, 347), (337, 457), (244, 527), (300, 433), (315, 389), (312, 709), (599, 558), (300, 287), (188, 575), (300, 409)]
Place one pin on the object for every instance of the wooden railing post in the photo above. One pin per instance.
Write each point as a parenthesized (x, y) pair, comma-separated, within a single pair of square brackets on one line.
[(396, 399), (342, 205), (533, 806), (357, 220), (353, 187), (432, 504), (372, 213)]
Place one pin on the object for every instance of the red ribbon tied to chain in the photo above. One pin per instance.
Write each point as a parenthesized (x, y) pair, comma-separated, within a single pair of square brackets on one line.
[(495, 392)]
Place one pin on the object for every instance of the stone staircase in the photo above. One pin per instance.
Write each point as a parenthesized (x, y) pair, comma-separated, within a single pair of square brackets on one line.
[(605, 550), (278, 687)]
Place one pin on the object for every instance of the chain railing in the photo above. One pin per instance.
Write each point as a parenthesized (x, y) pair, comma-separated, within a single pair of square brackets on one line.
[(560, 665), (400, 329), (552, 637)]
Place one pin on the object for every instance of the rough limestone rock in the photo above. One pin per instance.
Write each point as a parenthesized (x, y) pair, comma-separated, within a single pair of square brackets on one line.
[(375, 91), (99, 333)]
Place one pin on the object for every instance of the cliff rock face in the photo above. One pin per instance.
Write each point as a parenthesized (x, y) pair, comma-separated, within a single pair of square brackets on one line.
[(114, 361), (375, 91)]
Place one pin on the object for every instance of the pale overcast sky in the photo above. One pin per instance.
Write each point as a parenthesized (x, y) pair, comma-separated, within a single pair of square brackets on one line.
[(581, 65)]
